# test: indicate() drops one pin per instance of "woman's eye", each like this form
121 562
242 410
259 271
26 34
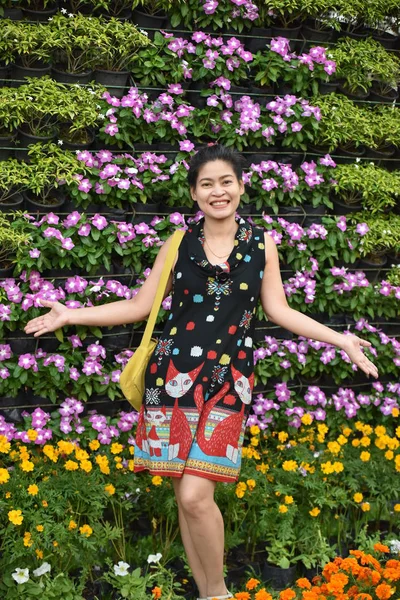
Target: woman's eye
228 181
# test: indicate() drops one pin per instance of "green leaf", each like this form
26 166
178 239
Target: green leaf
59 335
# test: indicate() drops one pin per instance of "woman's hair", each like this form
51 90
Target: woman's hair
215 152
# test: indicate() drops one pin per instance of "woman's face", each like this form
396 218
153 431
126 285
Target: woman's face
217 191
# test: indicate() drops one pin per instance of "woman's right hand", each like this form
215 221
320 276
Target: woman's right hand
51 321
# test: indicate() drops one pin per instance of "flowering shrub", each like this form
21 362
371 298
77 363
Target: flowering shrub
215 13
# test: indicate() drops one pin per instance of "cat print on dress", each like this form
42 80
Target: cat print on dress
178 384
155 417
225 436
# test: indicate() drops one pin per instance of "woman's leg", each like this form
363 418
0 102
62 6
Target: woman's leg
203 532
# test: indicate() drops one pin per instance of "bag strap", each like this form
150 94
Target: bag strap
175 241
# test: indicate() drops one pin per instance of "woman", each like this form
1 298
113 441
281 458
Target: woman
199 380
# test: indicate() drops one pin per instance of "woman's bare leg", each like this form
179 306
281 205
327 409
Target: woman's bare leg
203 532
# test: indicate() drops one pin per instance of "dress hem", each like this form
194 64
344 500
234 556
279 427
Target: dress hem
178 475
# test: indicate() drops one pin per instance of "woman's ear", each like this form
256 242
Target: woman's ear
193 193
241 186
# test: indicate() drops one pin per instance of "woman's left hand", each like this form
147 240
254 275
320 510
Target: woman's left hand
352 347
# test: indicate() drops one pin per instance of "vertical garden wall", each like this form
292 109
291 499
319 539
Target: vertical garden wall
102 104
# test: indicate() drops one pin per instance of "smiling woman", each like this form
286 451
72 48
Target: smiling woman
199 380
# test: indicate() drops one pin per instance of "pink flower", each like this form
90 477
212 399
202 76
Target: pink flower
34 253
210 7
362 228
186 146
175 88
111 129
84 230
99 222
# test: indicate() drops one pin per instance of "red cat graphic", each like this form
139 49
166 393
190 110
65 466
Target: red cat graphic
225 436
155 417
141 435
177 384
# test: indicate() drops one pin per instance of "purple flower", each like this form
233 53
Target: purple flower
175 88
177 218
186 146
362 228
72 219
99 221
34 253
84 230
296 126
5 352
26 361
111 129
85 185
341 224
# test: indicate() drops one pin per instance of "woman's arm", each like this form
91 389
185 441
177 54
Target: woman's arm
114 313
276 308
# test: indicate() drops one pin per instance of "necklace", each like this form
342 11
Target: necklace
223 256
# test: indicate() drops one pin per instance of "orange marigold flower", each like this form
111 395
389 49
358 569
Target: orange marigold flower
310 595
392 571
303 583
252 583
381 548
337 582
287 594
263 595
242 596
363 597
384 591
156 591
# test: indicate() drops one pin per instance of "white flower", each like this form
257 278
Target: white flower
60 142
154 558
394 546
20 575
45 568
64 11
121 568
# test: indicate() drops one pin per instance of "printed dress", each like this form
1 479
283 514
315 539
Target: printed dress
199 380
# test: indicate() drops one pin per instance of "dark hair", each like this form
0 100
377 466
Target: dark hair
215 152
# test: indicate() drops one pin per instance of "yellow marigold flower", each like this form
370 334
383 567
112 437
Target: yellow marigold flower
397 462
365 456
254 430
358 497
28 539
131 464
110 489
347 431
86 530
117 459
342 440
365 506
338 466
156 480
256 455
389 454
380 443
359 426
251 484
327 467
282 436
314 512
322 428
50 452
245 452
380 430
263 468
116 448
66 447
85 465
241 488
254 441
4 475
365 441
102 461
398 431
94 445
396 508
15 516
334 447
55 544
27 466
33 489
393 444
32 434
45 503
289 500
132 450
289 465
72 525
39 528
395 412
5 445
367 430
306 419
71 465
355 443
81 454
283 508
8 495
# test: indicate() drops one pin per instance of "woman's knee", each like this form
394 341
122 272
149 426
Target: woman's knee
195 498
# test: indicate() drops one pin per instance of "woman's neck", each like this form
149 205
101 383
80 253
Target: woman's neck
220 229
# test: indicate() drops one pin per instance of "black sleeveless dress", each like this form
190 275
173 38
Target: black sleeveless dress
200 378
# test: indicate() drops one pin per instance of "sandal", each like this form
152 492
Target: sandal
225 597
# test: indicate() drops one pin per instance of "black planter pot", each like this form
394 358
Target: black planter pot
319 150
115 81
33 204
69 145
146 212
25 139
358 94
9 407
6 270
314 34
146 21
4 75
20 73
314 214
118 340
193 94
21 343
381 153
341 208
328 87
65 77
372 266
13 202
48 344
40 15
6 146
291 33
358 33
260 37
279 578
293 214
388 40
347 156
377 95
13 14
